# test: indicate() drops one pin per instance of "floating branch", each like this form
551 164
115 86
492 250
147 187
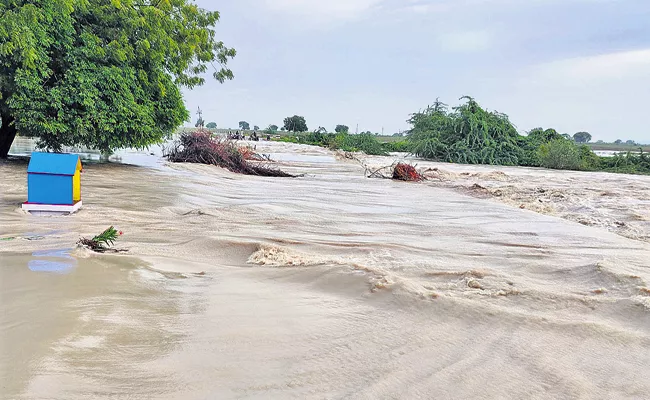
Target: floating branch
102 242
201 147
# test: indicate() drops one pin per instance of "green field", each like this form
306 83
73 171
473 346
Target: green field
617 147
390 139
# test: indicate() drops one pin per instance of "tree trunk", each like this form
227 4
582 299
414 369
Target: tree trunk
7 134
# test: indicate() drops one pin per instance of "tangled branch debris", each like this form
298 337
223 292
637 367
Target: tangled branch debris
397 171
102 242
406 172
201 147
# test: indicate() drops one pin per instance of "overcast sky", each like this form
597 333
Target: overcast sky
571 65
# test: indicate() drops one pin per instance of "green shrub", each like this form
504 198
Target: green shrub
312 138
366 143
468 135
363 142
530 145
559 154
397 147
589 161
628 163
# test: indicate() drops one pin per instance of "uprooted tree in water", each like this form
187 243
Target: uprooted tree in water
202 147
102 74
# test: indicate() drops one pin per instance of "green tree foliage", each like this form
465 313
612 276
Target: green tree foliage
626 163
531 143
211 125
630 142
618 141
401 146
589 161
295 124
559 154
466 134
321 130
364 142
199 123
273 128
244 125
256 128
541 135
582 137
342 129
103 74
469 134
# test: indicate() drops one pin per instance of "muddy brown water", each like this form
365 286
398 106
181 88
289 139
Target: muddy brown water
326 286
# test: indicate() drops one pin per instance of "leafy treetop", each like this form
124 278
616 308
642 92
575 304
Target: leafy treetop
468 134
342 129
582 137
104 74
295 124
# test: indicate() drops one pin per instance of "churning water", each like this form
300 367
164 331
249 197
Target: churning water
330 285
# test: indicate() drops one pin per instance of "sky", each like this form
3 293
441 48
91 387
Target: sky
571 65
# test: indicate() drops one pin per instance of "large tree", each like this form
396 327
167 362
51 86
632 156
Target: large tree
582 137
103 74
295 124
342 129
244 125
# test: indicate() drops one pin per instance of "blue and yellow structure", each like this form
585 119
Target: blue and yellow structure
54 179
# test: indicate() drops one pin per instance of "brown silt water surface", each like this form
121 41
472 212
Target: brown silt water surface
328 286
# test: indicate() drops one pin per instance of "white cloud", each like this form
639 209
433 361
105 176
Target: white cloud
595 69
467 41
323 8
604 95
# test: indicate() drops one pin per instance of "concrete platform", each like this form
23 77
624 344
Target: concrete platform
51 209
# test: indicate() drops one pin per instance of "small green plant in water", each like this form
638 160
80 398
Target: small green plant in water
108 237
103 241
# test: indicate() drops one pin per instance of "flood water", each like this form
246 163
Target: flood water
328 286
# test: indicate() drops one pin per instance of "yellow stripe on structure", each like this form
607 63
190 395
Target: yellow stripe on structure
76 184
